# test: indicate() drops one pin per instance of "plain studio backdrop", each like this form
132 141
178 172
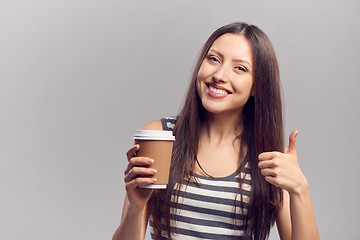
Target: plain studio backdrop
78 77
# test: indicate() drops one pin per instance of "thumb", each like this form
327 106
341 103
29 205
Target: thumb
292 141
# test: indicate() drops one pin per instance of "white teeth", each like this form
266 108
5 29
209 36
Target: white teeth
218 91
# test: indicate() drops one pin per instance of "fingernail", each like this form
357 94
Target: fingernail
151 161
153 179
154 171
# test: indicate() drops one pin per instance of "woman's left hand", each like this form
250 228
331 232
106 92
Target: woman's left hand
282 169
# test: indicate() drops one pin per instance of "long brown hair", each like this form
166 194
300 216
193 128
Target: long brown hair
262 132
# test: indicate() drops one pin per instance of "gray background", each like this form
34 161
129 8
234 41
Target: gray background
78 77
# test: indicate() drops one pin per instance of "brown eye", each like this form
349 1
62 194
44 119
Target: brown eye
213 59
241 68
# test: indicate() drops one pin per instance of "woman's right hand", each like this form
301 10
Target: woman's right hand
138 173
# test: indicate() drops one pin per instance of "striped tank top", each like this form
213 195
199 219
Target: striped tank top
210 208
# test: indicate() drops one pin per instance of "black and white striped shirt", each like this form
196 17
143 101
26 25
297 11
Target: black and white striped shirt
211 208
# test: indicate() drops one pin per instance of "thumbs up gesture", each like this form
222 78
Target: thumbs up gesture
282 169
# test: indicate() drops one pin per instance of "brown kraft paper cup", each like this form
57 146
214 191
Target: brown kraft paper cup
158 145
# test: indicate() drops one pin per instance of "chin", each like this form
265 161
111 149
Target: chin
212 109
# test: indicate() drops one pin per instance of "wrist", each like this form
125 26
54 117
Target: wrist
301 190
135 209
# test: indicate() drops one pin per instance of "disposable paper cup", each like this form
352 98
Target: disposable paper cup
158 145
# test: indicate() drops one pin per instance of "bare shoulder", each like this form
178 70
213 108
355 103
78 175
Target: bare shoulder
153 125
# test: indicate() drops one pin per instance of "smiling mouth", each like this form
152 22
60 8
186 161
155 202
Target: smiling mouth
217 90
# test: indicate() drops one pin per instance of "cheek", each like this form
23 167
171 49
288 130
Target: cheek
198 86
246 87
200 74
200 78
251 87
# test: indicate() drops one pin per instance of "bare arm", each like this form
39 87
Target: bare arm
134 216
133 223
296 219
283 220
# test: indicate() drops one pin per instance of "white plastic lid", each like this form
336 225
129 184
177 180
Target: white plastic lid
154 186
154 135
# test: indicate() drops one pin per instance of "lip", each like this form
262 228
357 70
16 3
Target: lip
218 87
216 95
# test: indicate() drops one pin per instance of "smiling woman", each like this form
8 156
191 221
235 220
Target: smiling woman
225 78
230 176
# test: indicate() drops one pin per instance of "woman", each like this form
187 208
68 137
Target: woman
231 176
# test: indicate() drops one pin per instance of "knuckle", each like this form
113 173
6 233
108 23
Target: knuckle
132 160
277 182
137 181
127 186
276 162
128 152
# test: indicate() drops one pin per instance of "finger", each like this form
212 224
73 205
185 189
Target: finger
139 172
138 161
268 155
267 172
139 182
266 164
132 151
292 141
272 180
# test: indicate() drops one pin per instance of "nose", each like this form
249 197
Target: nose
221 74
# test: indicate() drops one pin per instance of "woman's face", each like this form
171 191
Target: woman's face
225 77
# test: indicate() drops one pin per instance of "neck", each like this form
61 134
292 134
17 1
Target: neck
222 127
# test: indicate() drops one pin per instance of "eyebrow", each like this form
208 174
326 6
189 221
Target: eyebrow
234 60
